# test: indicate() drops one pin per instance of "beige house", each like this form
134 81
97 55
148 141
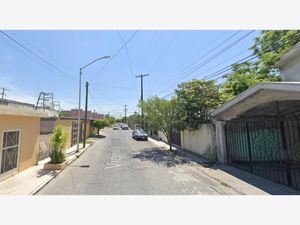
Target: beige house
70 126
259 130
19 138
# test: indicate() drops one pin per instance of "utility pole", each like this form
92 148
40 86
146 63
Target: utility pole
3 92
85 112
125 113
142 97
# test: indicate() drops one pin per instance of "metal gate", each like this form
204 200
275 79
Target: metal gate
267 147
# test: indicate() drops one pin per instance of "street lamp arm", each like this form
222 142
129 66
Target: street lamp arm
104 57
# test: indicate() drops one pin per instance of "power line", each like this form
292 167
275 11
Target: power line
252 56
152 49
176 75
208 60
158 61
127 53
37 56
142 61
117 52
41 51
263 50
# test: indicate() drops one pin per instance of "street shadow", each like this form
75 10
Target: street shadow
80 166
166 158
98 136
43 172
268 186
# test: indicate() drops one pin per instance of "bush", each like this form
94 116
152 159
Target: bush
58 143
57 157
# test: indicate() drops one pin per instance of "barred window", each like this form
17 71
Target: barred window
9 151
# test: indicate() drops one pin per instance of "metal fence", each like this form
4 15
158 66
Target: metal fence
267 147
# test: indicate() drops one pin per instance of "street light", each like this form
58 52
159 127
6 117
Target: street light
80 74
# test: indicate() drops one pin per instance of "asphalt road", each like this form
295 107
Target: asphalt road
119 165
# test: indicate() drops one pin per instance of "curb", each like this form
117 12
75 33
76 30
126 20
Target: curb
36 190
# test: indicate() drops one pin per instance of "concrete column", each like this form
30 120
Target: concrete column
221 141
182 139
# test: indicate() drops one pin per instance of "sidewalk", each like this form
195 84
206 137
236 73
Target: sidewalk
31 180
226 177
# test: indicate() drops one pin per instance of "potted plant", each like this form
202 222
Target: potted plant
58 142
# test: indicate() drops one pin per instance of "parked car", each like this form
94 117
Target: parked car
124 127
139 134
115 127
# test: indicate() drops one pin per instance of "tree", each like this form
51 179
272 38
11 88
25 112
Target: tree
196 99
63 114
100 124
134 119
110 119
58 142
269 48
162 115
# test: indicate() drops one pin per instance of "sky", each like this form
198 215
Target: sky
168 56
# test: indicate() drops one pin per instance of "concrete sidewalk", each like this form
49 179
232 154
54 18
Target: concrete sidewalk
229 177
31 180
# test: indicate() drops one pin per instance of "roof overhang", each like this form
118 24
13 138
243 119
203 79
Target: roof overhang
289 56
18 111
259 94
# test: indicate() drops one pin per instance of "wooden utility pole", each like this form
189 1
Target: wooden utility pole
125 113
85 112
142 97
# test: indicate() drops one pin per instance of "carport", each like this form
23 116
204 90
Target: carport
259 131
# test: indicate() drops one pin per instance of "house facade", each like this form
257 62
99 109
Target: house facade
19 137
259 130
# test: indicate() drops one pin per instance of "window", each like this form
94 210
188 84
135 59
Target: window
9 151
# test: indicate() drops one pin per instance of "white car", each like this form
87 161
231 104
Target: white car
115 127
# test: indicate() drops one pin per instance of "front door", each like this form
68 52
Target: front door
9 153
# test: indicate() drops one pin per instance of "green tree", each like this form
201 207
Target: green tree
269 47
58 142
196 99
63 114
134 119
100 124
110 119
162 115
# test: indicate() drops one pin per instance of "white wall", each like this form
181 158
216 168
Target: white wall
291 70
161 136
201 141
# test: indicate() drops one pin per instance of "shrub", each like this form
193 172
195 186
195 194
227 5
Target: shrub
58 142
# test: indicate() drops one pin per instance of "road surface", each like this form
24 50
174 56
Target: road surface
119 165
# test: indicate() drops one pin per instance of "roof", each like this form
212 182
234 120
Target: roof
287 57
259 94
11 107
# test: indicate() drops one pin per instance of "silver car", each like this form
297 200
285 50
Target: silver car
139 134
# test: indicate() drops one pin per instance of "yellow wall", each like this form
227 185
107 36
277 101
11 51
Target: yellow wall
29 140
67 127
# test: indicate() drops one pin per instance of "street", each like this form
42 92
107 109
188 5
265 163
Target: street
116 164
